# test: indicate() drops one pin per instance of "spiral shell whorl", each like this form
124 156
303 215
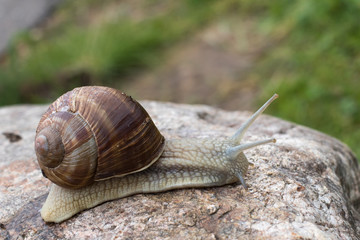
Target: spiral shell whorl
104 133
76 166
49 147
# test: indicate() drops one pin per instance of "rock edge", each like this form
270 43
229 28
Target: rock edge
306 186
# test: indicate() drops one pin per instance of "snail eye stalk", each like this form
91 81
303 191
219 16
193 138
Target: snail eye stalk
236 138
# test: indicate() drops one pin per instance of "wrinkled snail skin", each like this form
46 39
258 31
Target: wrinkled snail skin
184 163
173 170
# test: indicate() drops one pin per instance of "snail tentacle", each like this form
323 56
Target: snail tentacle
241 131
103 145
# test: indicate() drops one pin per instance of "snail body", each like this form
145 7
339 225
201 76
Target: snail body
173 164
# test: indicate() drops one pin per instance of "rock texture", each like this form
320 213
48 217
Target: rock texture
306 186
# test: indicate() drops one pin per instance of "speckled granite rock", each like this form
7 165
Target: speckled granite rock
306 186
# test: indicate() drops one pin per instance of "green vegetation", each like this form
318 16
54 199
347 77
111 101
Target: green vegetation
75 53
313 61
315 65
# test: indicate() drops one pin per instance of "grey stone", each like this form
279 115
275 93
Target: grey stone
305 186
18 15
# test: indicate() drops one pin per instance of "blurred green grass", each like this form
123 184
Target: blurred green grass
313 62
99 51
315 66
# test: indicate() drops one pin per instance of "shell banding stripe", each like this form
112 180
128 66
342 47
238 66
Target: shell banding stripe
105 134
127 138
80 155
144 138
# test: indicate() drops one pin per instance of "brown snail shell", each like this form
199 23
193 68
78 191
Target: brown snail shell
95 133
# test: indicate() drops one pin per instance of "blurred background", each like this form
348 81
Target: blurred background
232 54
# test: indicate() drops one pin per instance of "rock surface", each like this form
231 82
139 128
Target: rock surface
306 186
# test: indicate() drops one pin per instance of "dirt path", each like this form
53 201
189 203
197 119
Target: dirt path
214 67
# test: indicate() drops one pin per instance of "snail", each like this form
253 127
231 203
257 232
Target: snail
97 144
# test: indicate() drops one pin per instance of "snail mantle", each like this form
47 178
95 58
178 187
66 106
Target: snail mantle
304 186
